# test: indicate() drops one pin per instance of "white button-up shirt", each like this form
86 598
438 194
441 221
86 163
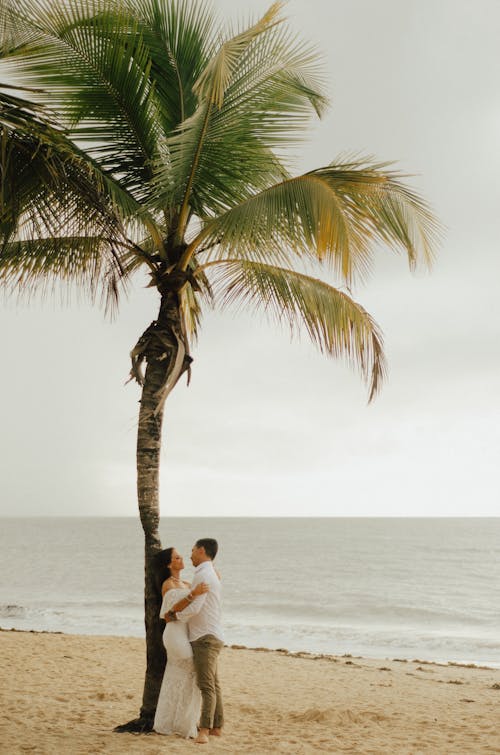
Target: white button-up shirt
203 615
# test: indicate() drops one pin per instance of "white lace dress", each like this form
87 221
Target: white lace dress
179 703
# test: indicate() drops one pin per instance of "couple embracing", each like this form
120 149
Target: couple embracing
193 640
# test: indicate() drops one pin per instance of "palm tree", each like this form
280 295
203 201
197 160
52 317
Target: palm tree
186 134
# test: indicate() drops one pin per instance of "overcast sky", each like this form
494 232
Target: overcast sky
269 426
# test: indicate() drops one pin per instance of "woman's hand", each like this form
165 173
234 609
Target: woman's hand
201 588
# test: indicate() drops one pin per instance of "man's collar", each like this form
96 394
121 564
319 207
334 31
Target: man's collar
200 566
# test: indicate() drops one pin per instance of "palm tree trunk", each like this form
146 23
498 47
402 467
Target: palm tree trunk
148 495
160 349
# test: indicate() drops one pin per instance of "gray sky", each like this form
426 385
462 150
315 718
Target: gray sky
269 426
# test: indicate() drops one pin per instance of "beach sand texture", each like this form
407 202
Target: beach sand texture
63 694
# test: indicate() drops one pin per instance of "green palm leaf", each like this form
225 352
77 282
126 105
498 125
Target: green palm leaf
254 94
43 145
39 169
179 38
90 263
212 84
337 214
61 217
333 321
100 84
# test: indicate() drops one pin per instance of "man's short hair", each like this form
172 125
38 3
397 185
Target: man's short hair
210 545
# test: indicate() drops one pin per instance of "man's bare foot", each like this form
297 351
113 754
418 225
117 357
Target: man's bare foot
216 732
202 738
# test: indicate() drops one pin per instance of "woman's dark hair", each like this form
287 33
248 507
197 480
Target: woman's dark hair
161 565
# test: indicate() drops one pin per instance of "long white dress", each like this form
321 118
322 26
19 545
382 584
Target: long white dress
179 702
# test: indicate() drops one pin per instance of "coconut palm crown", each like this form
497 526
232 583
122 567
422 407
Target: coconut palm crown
170 140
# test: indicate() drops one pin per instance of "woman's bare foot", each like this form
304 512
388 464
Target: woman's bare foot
202 738
216 732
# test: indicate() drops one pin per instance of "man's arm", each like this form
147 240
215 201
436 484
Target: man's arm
198 588
192 609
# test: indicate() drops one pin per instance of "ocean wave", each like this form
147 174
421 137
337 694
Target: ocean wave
366 640
90 618
11 610
366 614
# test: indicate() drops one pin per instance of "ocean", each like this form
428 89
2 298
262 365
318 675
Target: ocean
384 588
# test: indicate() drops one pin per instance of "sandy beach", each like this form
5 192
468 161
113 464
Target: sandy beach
65 693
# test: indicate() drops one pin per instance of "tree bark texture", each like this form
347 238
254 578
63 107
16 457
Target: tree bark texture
160 354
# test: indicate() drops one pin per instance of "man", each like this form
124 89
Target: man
203 617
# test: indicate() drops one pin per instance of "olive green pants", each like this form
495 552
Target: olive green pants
205 656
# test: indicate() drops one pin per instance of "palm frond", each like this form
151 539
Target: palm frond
94 66
212 84
332 319
42 143
254 94
90 264
238 168
56 205
179 36
383 207
44 184
337 214
13 31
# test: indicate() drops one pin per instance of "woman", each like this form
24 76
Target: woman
179 701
